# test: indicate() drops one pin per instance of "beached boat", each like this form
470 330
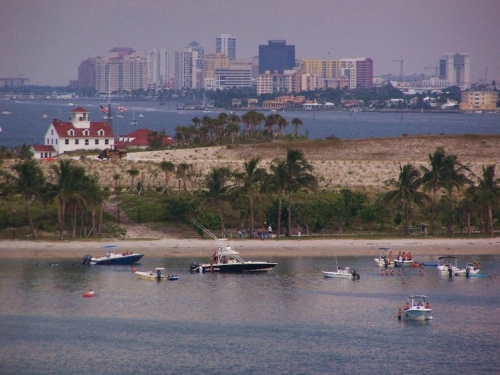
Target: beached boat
157 274
417 308
225 259
112 258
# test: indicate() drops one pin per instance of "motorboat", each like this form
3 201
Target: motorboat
112 258
157 274
88 294
469 270
448 263
342 273
385 257
417 308
225 259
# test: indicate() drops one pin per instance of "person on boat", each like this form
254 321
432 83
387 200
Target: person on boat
399 256
407 306
390 257
404 256
427 305
409 255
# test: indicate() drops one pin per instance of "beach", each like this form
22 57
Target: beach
249 248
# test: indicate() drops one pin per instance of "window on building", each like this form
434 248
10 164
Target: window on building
106 141
77 141
96 141
86 142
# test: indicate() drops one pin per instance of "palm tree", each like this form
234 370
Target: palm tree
488 192
278 181
253 179
453 178
30 184
432 179
116 178
299 175
133 173
406 191
182 173
296 122
167 167
217 183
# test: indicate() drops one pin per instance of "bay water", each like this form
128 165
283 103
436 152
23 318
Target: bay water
290 320
30 119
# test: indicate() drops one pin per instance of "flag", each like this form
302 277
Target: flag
122 109
104 109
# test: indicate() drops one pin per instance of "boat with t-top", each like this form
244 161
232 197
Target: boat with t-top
417 308
225 259
112 258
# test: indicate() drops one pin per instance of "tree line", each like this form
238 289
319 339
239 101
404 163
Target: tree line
284 193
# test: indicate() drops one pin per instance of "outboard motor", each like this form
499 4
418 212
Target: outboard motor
467 271
86 259
450 272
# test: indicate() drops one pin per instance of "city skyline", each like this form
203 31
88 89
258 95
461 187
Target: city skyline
47 41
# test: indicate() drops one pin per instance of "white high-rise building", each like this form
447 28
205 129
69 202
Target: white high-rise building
159 68
226 44
187 73
455 68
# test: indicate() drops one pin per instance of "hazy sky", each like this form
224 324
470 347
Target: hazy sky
46 40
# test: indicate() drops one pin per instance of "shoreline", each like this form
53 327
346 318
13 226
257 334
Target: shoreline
249 249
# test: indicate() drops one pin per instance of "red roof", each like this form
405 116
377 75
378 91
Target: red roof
43 148
79 110
139 138
63 129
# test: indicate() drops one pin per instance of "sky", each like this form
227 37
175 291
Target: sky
46 40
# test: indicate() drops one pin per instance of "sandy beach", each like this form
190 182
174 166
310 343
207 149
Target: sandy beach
202 248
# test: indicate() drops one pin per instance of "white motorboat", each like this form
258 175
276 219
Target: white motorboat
225 259
385 257
158 274
342 273
469 270
446 263
417 308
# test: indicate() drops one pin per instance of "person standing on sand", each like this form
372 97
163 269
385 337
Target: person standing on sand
298 235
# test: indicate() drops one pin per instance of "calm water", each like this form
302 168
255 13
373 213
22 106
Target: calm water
30 119
288 321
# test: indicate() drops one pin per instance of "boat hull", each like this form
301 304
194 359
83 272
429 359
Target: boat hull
117 260
333 274
417 314
234 267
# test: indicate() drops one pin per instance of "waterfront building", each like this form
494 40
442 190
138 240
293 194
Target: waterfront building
188 67
123 70
13 82
479 100
226 44
86 74
79 133
274 83
159 68
209 64
276 56
238 76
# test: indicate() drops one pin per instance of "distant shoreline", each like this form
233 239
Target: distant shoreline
250 249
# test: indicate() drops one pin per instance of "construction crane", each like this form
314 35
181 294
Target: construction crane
400 68
435 69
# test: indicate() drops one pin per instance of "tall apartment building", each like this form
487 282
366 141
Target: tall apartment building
209 64
226 44
276 56
186 70
455 68
86 74
357 72
122 70
159 68
275 83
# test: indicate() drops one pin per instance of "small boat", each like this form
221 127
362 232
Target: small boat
225 259
133 123
384 260
88 294
141 115
5 112
172 277
112 258
417 308
157 274
469 270
342 273
446 263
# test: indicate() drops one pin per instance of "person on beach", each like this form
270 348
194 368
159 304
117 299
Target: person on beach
298 235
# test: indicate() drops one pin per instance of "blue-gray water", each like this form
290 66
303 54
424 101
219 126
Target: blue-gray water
291 320
30 119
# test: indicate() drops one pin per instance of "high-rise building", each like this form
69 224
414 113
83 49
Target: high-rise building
276 56
186 71
226 44
123 70
86 74
159 68
455 68
210 63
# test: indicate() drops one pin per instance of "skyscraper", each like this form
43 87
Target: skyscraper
159 68
276 56
455 68
226 44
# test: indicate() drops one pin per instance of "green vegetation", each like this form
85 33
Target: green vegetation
67 202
